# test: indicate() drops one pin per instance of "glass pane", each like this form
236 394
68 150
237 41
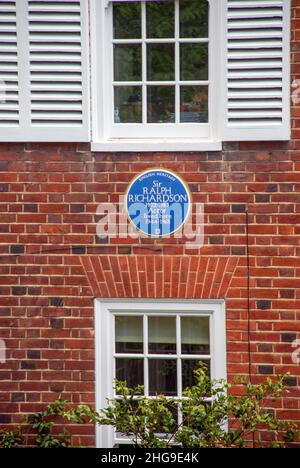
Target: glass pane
193 62
194 18
129 334
162 335
161 104
162 377
128 62
130 370
188 368
160 62
160 19
128 104
194 104
195 335
124 15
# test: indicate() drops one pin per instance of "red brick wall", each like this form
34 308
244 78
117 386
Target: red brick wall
52 266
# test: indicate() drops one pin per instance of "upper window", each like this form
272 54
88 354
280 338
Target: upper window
158 64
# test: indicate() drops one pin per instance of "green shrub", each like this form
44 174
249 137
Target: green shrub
210 417
11 439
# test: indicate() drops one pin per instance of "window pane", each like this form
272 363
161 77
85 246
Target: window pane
188 368
128 104
128 62
195 335
194 18
131 370
160 62
129 334
162 377
162 335
160 19
161 104
124 15
194 104
194 62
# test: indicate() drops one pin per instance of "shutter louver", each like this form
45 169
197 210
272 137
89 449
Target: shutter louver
257 70
9 96
53 70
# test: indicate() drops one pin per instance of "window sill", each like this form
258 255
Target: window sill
156 145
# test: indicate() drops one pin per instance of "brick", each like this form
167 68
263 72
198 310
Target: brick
264 305
5 418
28 365
290 381
56 301
238 208
17 249
31 208
288 337
19 291
4 188
34 354
56 323
17 397
266 370
78 250
3 166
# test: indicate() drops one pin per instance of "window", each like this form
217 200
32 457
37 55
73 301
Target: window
160 71
158 345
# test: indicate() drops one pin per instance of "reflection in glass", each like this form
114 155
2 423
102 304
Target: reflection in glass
129 334
130 370
161 104
160 19
194 18
162 335
124 15
188 368
195 335
160 62
128 104
162 377
127 62
193 62
194 104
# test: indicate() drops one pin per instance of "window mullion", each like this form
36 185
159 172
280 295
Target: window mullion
178 352
179 363
177 64
146 360
144 64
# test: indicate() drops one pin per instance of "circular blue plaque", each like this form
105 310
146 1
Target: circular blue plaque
158 203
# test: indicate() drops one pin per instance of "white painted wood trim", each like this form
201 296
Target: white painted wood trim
260 130
106 136
156 145
104 341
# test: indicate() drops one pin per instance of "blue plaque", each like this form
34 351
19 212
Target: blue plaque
158 203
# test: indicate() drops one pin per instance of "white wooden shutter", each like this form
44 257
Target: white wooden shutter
9 96
257 70
44 48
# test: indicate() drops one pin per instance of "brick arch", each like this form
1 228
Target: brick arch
158 276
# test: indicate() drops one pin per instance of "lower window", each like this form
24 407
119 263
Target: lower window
158 345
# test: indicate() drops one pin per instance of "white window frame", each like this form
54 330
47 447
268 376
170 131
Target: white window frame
104 343
108 136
